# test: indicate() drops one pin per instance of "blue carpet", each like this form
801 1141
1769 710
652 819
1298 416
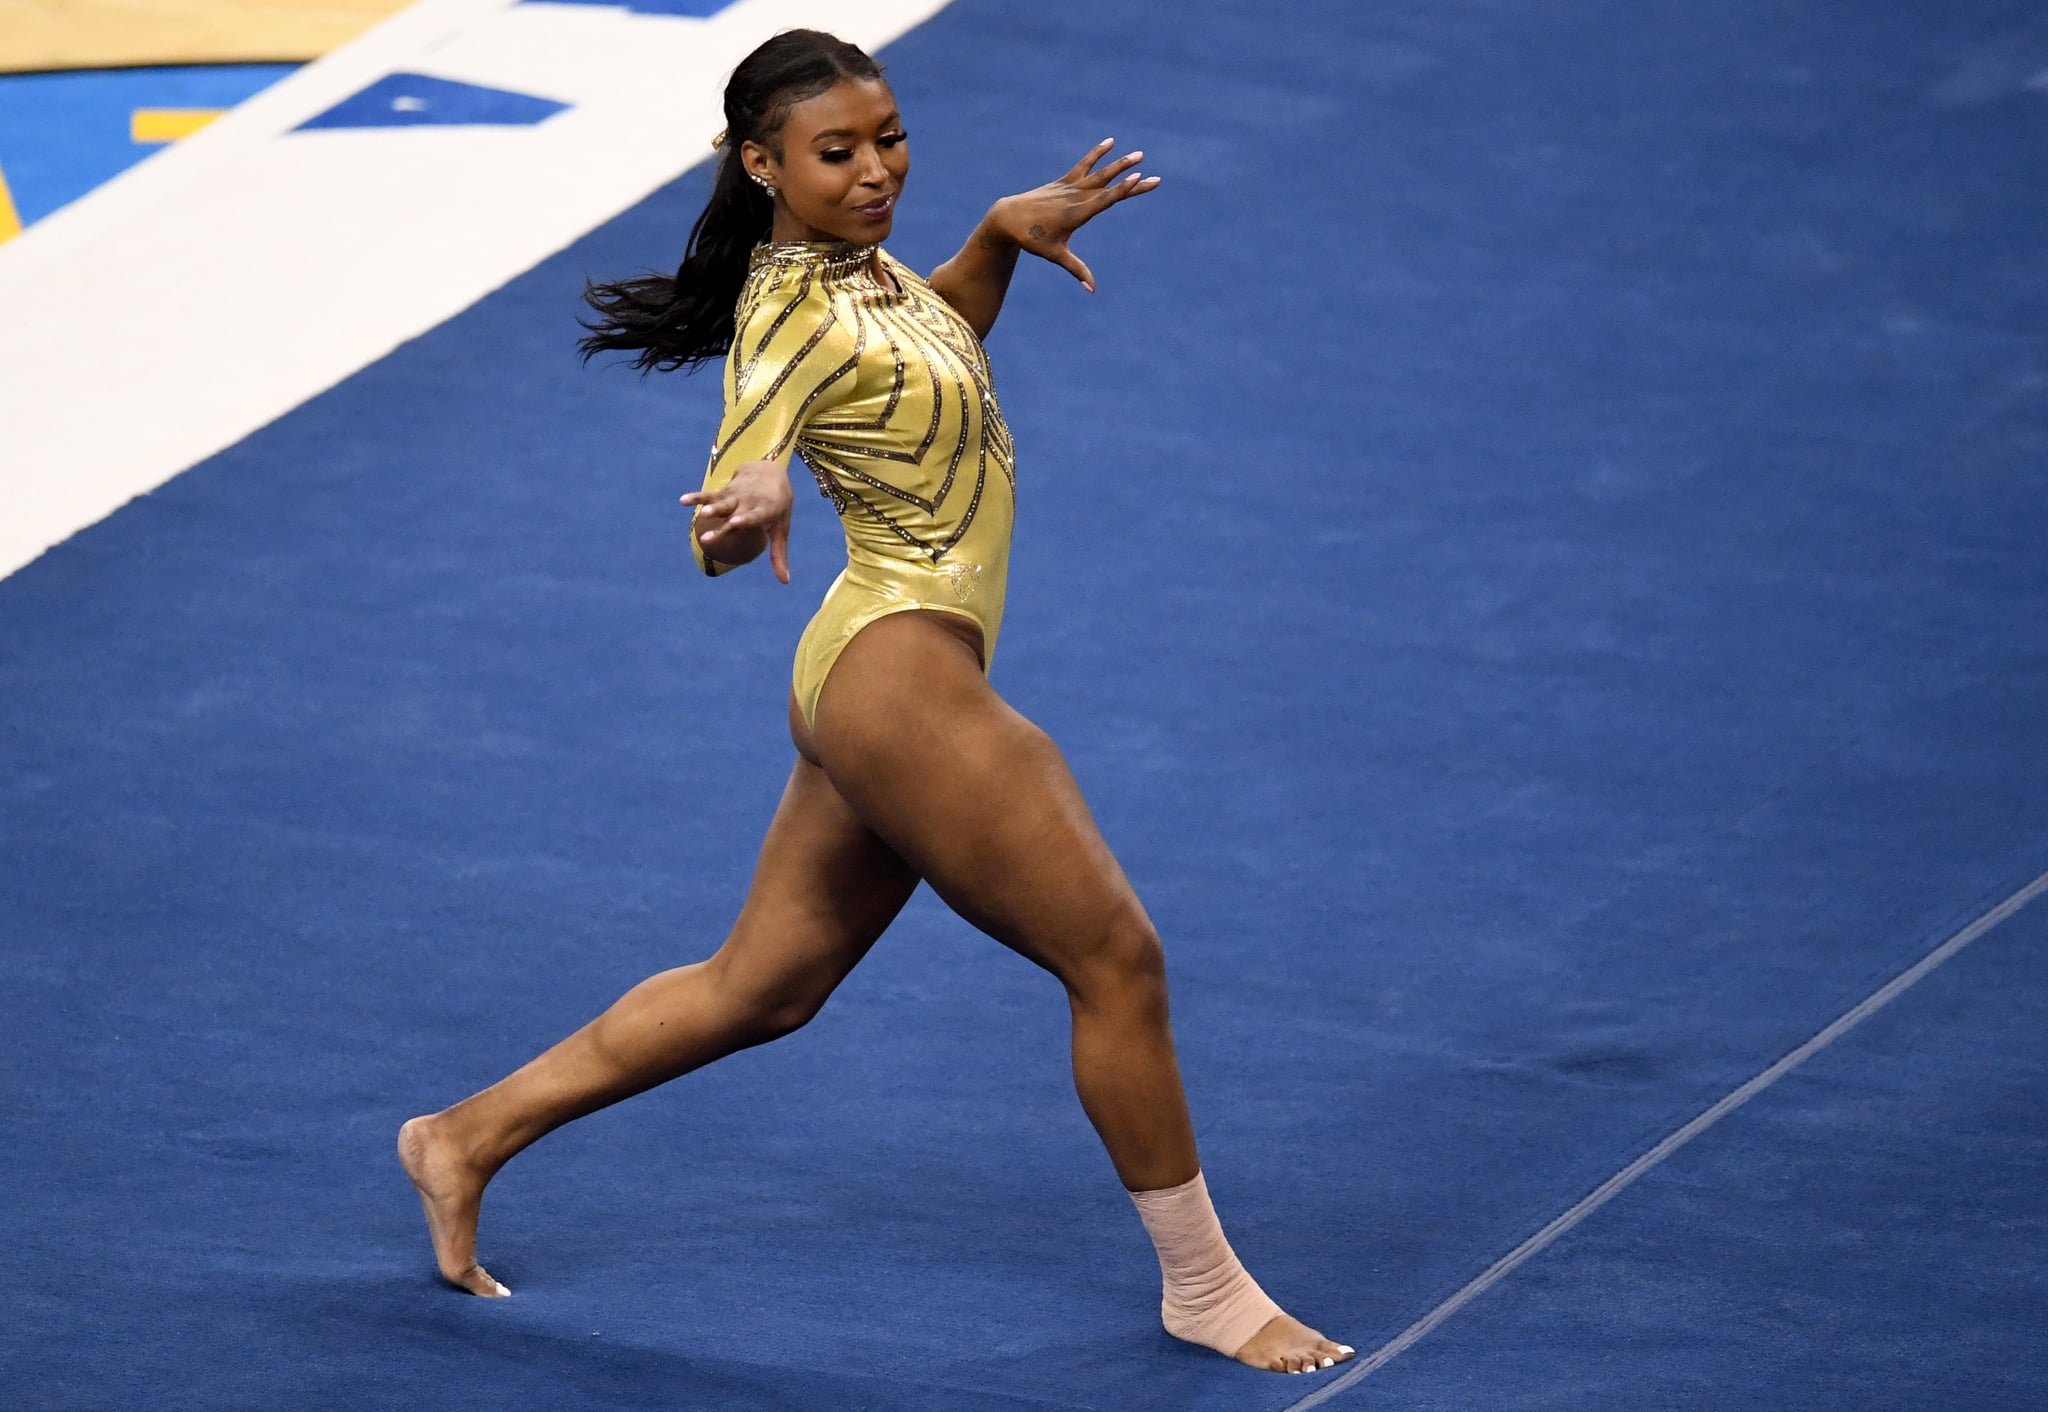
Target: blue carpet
62 134
1533 553
1866 1235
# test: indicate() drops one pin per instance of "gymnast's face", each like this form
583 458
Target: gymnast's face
844 158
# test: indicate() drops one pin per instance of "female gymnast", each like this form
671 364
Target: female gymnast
909 766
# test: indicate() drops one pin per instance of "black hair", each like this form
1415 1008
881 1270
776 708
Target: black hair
685 319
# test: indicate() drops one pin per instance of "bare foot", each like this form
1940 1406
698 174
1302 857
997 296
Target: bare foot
451 1193
1286 1345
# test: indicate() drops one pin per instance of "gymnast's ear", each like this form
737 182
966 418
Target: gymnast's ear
758 162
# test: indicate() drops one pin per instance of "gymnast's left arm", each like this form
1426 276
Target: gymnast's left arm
1040 221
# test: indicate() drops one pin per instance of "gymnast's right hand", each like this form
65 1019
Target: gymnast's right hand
747 514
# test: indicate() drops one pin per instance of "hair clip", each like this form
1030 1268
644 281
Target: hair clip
718 141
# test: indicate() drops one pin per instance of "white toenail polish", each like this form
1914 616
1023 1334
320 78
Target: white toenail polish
500 1288
1346 1348
1327 1362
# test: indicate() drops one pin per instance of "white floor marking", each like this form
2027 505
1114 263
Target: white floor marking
1615 1184
220 283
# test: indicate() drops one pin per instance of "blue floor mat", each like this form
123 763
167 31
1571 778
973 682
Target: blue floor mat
62 134
1864 1235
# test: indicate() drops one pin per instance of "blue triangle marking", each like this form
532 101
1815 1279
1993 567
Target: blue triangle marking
416 100
700 8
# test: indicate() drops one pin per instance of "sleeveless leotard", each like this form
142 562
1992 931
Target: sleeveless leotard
887 398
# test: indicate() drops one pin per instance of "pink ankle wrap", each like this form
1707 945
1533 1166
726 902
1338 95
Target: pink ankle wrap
1208 1297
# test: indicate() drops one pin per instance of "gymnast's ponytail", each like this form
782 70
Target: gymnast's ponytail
679 321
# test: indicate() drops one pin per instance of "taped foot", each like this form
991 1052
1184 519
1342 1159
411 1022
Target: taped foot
1207 1296
1286 1345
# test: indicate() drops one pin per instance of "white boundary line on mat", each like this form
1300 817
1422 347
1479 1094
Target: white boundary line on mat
1614 1185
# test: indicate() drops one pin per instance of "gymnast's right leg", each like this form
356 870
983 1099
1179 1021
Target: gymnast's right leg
823 891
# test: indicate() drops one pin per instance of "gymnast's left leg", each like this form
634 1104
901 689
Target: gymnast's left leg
979 802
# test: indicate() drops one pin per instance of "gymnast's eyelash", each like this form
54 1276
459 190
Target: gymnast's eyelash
840 154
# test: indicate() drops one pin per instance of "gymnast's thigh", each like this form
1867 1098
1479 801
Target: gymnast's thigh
825 887
974 797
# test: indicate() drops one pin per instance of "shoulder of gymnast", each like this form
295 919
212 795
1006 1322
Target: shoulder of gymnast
784 318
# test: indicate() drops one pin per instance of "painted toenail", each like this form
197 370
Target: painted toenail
1346 1348
499 1288
1328 1362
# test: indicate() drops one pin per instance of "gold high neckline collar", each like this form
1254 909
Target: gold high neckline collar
829 258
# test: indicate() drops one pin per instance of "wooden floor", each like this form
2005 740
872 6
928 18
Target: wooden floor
101 34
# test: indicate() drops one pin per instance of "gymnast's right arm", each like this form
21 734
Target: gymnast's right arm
790 359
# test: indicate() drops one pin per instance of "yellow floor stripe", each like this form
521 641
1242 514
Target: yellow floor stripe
168 124
10 219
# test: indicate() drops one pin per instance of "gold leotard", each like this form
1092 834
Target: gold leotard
886 396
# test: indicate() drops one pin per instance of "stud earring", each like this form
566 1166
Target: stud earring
764 184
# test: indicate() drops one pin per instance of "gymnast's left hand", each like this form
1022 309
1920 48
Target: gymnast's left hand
1042 221
747 514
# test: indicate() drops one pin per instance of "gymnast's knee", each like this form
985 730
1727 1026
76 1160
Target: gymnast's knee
775 1014
757 1013
1123 967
